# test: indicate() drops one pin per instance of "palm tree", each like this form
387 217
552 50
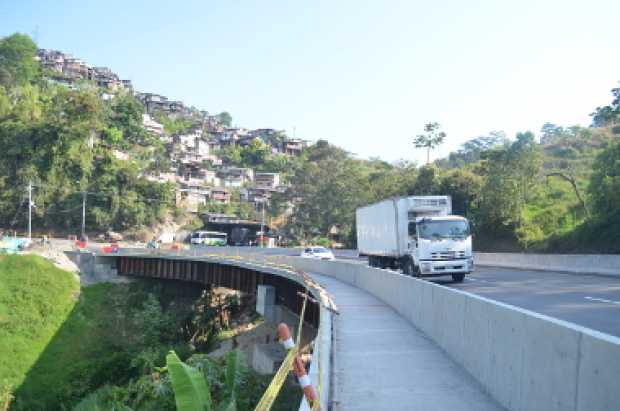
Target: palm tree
430 140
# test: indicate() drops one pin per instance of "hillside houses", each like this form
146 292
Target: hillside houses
151 125
196 170
267 180
158 103
236 177
71 69
201 178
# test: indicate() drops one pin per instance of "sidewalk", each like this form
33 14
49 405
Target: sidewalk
382 362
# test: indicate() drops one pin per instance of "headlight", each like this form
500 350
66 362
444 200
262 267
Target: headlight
425 267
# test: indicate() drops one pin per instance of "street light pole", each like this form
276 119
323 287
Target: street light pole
262 226
83 213
30 210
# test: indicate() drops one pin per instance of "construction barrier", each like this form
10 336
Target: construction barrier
299 368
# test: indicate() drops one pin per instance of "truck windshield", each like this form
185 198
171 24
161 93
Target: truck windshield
431 230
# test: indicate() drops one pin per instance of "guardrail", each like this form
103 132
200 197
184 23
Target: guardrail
322 349
525 360
607 264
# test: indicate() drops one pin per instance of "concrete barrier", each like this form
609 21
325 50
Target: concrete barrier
607 264
571 263
525 360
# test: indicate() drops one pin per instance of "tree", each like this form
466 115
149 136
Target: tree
512 174
471 150
427 182
605 183
225 118
390 180
464 188
550 132
17 60
608 115
325 191
126 116
255 154
430 140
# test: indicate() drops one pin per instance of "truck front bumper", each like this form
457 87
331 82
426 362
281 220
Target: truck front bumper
446 267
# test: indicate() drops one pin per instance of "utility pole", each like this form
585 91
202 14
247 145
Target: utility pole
262 226
30 210
83 213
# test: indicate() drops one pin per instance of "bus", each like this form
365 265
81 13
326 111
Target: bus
212 238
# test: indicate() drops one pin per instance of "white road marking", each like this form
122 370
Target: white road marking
602 300
477 279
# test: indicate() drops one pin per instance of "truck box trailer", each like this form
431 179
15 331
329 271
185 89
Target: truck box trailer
417 234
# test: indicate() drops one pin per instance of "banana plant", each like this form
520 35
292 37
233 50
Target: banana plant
234 375
191 391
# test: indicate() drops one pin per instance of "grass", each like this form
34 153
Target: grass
35 300
96 345
58 344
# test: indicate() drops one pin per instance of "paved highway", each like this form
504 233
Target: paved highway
591 301
588 300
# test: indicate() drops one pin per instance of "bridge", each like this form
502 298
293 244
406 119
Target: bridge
402 343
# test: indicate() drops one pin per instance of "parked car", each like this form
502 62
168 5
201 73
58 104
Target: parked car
320 253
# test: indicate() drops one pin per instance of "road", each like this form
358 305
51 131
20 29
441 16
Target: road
591 301
588 300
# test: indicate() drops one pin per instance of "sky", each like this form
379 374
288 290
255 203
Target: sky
365 75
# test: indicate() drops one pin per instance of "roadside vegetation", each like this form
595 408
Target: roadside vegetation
36 299
65 141
108 343
551 191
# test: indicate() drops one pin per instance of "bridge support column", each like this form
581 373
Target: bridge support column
266 302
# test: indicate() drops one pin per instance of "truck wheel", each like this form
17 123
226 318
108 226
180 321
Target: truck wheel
458 278
408 268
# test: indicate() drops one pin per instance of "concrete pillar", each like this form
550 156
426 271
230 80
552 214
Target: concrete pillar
266 302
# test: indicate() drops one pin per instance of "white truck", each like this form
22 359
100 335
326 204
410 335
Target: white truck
417 234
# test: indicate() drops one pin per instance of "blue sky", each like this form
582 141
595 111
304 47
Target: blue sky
364 75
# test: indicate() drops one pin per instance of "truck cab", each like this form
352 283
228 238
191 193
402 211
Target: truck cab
440 245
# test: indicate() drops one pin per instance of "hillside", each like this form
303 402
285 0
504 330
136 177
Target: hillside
140 159
36 299
60 345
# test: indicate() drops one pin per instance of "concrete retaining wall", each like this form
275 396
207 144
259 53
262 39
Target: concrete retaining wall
525 360
571 263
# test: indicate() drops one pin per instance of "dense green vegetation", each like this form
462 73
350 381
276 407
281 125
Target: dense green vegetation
36 299
114 333
555 191
201 383
60 346
63 141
